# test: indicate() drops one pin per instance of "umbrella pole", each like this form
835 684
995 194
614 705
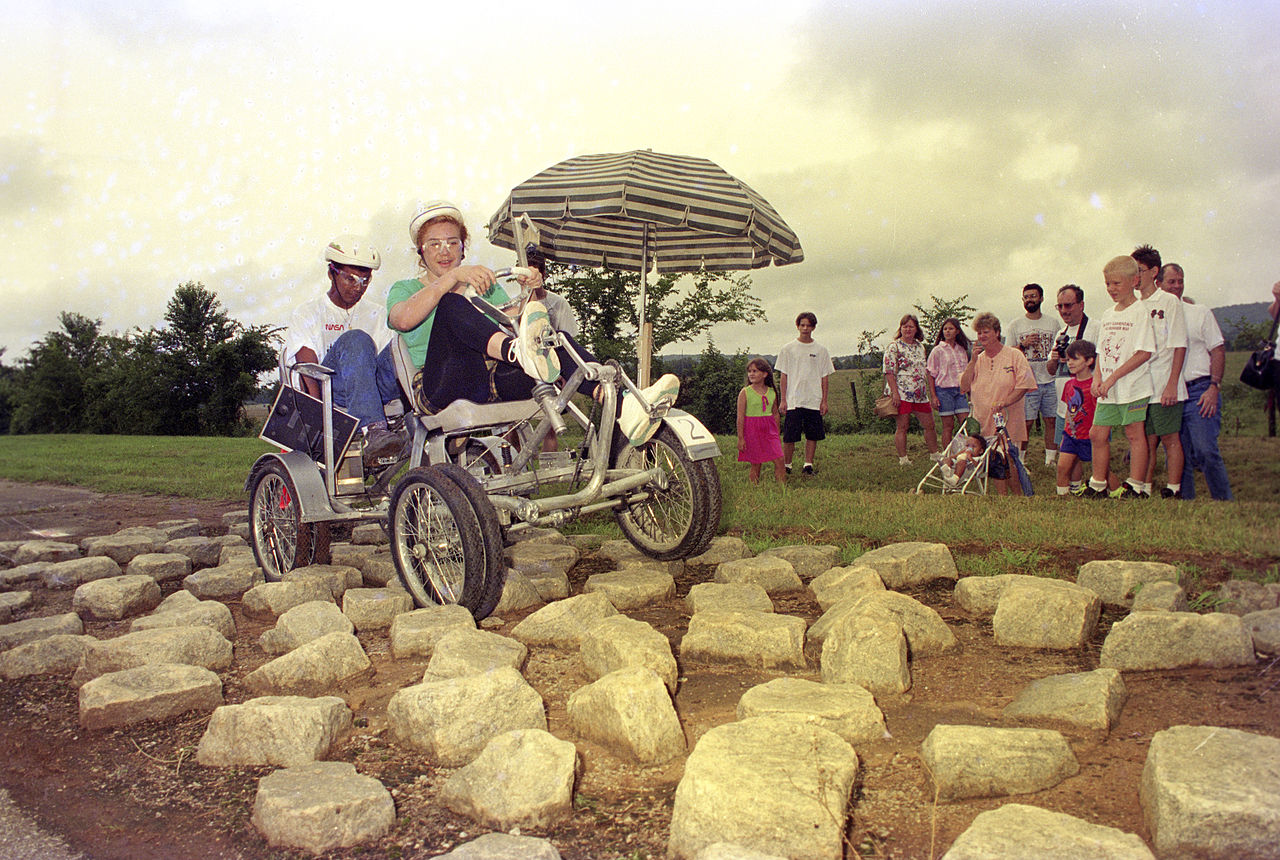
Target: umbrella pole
645 350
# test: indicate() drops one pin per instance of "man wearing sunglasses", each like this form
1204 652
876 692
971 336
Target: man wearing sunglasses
338 330
1071 309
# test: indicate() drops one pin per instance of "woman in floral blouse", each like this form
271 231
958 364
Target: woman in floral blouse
907 381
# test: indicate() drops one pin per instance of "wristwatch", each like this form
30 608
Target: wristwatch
1217 382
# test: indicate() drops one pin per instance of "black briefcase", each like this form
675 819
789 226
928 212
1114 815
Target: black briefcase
1262 369
296 422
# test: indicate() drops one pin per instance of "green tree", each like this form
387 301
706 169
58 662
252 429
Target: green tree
681 307
209 364
868 350
1249 334
710 389
52 387
931 319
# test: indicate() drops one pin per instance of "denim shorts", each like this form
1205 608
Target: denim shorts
1043 401
1081 448
951 401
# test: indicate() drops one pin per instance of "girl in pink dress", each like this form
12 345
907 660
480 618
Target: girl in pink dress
758 438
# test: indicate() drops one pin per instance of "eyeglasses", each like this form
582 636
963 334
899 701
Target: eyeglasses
1062 306
351 277
435 246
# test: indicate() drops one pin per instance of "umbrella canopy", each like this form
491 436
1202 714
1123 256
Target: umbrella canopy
604 210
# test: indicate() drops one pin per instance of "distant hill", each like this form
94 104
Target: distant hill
1230 316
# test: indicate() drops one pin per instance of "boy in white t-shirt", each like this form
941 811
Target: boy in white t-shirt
1125 343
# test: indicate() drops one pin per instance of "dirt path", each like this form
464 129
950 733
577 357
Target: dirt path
136 792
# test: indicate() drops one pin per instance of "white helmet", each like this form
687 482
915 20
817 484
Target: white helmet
434 209
353 251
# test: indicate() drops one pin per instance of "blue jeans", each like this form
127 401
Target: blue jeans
1023 478
1200 445
364 379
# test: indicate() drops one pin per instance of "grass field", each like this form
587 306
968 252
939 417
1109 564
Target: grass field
860 497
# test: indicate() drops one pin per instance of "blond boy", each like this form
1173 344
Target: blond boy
1125 343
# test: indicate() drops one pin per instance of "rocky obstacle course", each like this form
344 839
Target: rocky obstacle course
773 778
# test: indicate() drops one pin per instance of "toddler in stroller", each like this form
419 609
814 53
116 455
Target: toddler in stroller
954 467
962 468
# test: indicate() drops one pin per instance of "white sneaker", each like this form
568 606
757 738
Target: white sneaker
904 461
936 456
1049 456
636 424
532 348
947 471
951 480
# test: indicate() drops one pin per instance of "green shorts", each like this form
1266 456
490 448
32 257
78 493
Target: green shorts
1120 414
1163 420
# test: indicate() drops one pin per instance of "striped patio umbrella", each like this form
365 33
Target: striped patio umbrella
633 211
683 213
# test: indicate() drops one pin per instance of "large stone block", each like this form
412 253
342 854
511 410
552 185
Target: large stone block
629 712
722 549
54 655
116 598
337 577
767 784
1018 830
463 651
1046 614
762 639
619 641
807 560
774 575
205 613
225 582
1115 581
201 551
1172 640
160 566
844 583
1212 793
283 731
375 608
1089 701
523 778
77 571
902 565
321 806
414 634
727 595
846 709
927 634
44 550
453 720
124 546
312 669
18 633
302 624
565 622
1264 627
632 587
273 599
978 761
192 646
152 692
867 651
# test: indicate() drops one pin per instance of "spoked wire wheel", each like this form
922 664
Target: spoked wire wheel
281 540
436 541
679 521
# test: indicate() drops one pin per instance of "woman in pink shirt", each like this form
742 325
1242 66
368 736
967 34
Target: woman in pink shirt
947 360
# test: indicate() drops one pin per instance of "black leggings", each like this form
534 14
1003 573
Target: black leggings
458 368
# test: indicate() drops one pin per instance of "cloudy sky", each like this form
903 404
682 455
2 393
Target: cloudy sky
918 148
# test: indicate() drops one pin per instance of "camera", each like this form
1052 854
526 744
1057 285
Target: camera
1061 344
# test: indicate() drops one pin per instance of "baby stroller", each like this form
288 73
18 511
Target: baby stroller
975 477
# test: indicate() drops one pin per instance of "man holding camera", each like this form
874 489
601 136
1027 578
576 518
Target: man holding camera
1071 309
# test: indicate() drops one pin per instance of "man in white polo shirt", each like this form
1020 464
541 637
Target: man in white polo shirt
1206 358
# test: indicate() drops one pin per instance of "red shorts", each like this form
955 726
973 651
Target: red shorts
905 408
